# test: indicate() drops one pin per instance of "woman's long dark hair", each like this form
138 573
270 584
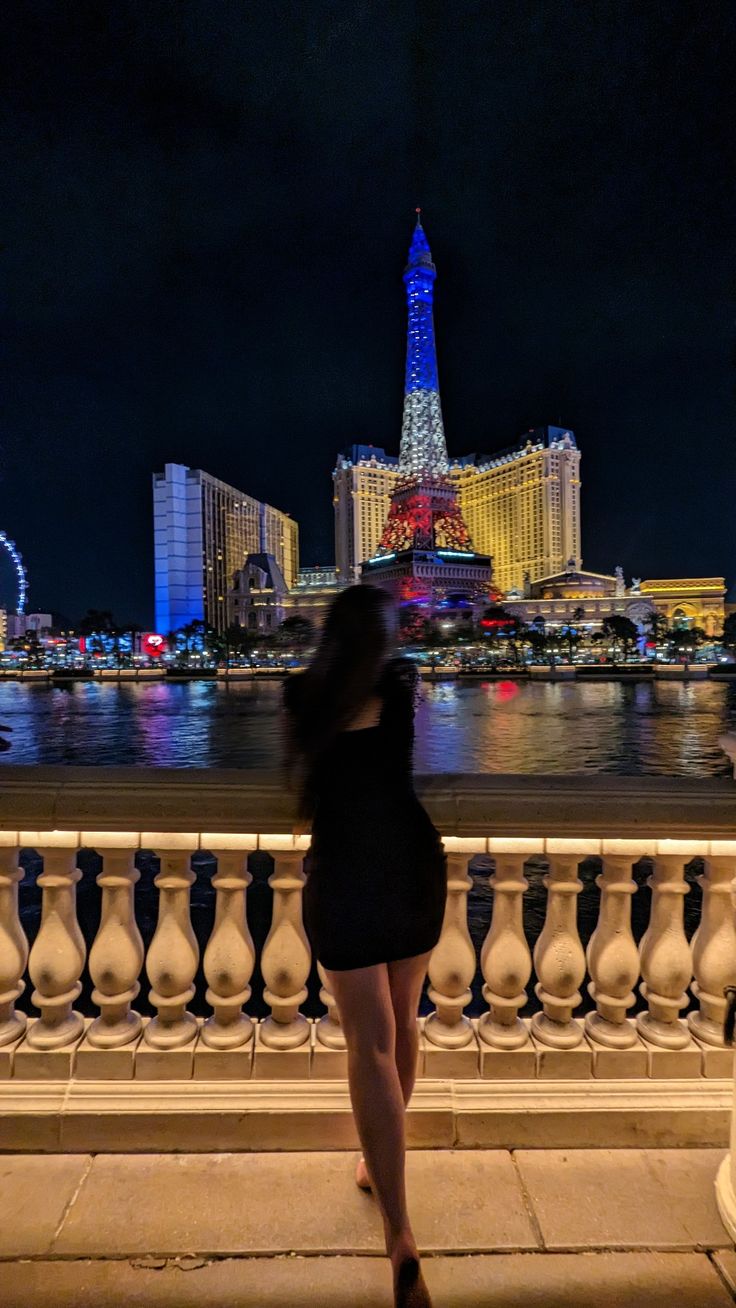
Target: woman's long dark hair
346 670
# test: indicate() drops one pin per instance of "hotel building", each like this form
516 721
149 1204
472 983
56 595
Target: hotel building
689 601
203 531
260 599
586 599
363 480
521 506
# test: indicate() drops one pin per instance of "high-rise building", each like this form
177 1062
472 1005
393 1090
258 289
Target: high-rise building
364 478
203 531
522 506
425 556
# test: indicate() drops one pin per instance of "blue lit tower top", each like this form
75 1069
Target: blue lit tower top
424 513
423 452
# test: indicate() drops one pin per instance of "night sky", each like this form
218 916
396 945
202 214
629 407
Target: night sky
207 208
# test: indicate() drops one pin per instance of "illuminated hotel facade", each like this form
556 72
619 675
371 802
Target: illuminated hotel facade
585 599
363 480
689 601
521 506
203 531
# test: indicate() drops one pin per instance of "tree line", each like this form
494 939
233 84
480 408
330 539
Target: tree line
502 632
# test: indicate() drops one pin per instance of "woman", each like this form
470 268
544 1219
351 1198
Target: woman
376 885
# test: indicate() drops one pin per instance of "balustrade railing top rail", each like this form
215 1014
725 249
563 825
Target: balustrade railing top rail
460 804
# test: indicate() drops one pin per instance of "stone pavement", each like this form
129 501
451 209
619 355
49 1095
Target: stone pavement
529 1229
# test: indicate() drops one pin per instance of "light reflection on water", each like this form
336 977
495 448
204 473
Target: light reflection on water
620 727
461 726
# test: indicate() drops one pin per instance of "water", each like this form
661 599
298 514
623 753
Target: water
626 728
629 728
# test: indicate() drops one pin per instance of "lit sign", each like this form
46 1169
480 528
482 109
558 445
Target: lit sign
152 644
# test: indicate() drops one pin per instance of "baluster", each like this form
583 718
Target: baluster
286 956
452 963
173 953
329 1030
116 956
612 956
666 958
726 1177
714 948
229 958
505 960
558 954
58 952
13 944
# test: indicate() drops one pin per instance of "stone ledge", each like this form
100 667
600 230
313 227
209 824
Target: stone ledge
201 1116
608 1280
257 1061
466 805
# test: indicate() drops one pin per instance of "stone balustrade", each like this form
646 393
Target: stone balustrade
562 820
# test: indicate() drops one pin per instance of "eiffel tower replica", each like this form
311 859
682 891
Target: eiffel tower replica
425 556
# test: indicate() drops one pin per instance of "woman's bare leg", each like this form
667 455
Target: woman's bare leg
406 978
363 998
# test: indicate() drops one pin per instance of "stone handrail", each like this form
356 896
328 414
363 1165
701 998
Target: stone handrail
232 800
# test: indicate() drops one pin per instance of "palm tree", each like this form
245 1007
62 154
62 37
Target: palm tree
570 634
655 624
621 631
729 631
498 625
34 647
172 644
96 621
686 640
536 638
115 635
188 631
296 630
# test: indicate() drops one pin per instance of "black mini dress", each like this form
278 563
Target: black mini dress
376 869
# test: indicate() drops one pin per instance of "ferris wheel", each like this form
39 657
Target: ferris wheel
20 572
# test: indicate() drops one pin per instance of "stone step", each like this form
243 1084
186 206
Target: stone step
460 1201
81 1116
602 1280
